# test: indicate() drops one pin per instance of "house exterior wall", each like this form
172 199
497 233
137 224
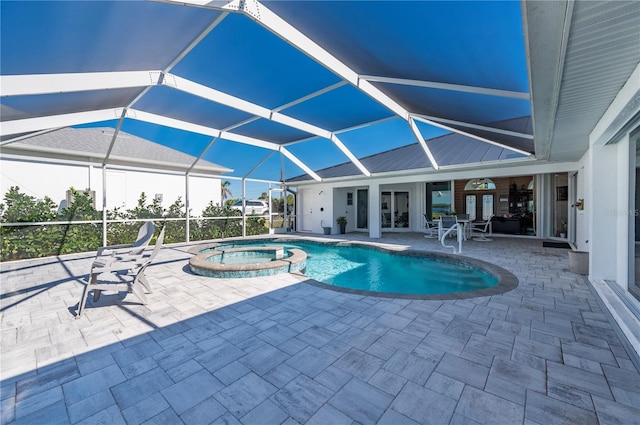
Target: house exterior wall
315 209
40 178
610 163
414 183
503 185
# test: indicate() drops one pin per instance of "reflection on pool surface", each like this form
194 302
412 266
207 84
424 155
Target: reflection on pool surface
366 269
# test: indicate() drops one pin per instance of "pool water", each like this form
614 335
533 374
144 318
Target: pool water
244 258
370 270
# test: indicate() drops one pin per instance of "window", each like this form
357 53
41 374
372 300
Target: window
438 199
480 184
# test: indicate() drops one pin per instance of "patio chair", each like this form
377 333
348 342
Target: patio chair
482 228
446 223
126 275
430 230
125 252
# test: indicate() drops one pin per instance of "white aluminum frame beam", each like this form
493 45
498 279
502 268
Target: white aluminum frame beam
473 136
299 163
27 125
345 130
195 128
476 126
297 39
336 141
423 143
33 84
446 86
217 96
255 167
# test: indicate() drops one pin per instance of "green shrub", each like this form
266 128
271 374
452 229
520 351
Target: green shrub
20 242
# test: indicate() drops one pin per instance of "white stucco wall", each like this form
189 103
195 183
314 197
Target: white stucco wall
604 217
609 159
42 178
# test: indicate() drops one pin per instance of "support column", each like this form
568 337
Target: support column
186 206
374 211
604 215
104 205
244 209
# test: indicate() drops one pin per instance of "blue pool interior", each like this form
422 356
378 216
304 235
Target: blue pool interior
370 270
243 258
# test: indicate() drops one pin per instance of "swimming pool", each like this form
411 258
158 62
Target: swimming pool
367 269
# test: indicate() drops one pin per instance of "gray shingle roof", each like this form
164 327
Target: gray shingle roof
450 149
130 150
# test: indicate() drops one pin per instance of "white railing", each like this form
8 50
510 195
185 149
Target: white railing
455 228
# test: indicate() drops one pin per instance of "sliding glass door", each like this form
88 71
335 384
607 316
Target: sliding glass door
394 207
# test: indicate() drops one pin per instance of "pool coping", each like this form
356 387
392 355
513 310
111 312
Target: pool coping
507 281
200 265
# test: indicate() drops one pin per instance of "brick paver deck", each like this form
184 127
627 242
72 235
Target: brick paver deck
279 350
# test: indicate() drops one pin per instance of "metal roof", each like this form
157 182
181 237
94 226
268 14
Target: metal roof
451 149
93 144
280 76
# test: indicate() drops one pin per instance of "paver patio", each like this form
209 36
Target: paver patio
280 350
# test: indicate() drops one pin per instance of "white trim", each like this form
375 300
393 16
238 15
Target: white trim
620 113
628 323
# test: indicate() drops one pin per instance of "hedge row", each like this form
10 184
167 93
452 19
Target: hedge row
20 242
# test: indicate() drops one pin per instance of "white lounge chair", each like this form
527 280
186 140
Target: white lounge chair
127 275
125 252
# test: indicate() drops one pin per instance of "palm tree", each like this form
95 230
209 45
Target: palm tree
225 192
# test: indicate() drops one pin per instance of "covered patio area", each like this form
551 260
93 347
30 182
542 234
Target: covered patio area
281 350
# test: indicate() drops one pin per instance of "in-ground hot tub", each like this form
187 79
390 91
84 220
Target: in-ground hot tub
248 262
